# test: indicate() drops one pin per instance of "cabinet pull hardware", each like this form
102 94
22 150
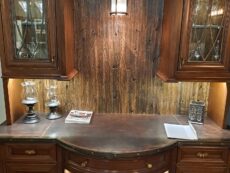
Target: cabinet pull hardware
52 59
149 165
84 164
202 155
30 152
205 155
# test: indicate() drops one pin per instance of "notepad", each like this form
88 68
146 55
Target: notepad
180 131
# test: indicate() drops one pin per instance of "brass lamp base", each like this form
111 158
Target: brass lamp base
53 115
30 117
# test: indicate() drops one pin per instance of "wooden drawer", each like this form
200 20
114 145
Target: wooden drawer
31 168
31 152
200 155
200 169
78 163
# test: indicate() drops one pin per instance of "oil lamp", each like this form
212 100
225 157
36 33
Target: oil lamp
52 102
29 99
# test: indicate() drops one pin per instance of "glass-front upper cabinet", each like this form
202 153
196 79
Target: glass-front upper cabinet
38 38
196 40
30 29
207 32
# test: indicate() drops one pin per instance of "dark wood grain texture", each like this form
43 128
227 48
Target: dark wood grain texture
116 54
116 58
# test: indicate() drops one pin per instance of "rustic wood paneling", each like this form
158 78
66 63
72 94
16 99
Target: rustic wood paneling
116 58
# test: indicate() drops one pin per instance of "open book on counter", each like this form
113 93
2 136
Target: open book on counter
180 131
79 116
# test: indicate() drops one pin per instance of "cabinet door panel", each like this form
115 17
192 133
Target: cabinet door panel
30 168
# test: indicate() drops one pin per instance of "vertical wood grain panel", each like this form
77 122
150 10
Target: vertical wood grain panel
116 57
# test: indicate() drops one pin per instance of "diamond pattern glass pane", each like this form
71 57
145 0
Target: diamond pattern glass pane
30 30
206 35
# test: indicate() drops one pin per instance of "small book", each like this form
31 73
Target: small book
79 116
180 131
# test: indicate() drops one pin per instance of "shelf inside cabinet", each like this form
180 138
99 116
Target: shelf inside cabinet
196 26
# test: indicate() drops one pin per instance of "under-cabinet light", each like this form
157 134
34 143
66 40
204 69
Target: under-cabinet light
118 7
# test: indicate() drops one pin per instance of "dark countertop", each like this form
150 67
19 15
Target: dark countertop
113 135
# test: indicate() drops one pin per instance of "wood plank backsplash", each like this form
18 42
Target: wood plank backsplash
116 57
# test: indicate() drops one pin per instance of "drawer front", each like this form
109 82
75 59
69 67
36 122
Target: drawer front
200 169
31 168
78 163
19 152
212 155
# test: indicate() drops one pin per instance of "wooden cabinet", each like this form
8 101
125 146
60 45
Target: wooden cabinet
202 159
30 157
38 39
158 163
195 41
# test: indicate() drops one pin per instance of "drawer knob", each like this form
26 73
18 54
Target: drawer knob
202 155
149 165
84 164
30 152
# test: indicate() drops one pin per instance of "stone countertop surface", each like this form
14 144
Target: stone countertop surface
113 135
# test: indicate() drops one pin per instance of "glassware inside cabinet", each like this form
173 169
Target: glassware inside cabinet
207 31
30 29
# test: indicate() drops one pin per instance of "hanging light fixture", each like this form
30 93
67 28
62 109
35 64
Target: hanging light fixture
118 7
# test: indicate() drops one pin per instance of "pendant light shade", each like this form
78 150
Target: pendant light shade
118 7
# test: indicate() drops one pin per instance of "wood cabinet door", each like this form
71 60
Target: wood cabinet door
205 40
195 41
29 36
30 168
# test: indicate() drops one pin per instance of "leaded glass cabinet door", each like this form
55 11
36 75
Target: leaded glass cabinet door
204 45
29 30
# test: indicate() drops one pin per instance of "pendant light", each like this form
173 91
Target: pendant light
118 7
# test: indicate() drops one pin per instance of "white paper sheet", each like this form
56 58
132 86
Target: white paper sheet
180 131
